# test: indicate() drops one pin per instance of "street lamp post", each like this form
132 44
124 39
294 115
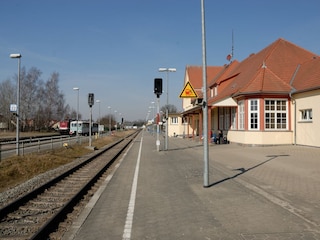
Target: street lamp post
109 120
167 112
148 114
120 121
153 116
98 101
152 106
77 89
115 116
17 55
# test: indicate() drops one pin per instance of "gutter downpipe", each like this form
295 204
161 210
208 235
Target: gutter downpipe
293 90
294 117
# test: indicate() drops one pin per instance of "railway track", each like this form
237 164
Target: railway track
39 212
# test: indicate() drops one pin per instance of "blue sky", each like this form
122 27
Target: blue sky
114 48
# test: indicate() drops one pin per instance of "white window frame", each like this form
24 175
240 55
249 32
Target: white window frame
254 114
241 115
306 115
274 114
226 118
221 118
184 120
174 120
233 118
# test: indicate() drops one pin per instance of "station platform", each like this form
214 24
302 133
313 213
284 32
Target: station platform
254 193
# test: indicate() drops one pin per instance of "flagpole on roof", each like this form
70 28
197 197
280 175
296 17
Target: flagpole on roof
230 56
204 102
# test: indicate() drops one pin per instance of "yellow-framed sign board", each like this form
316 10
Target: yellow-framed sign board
188 91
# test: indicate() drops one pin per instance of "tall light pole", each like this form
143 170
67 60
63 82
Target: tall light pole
109 120
98 101
152 106
77 89
115 116
17 55
153 115
204 104
167 113
120 120
148 114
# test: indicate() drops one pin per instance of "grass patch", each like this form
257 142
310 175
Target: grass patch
18 169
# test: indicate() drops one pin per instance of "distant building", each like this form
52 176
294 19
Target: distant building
3 124
177 125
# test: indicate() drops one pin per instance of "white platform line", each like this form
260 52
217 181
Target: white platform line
75 228
128 225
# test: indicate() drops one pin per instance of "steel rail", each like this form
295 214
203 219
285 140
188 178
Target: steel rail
52 224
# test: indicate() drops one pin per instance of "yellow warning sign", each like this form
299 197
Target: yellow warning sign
188 91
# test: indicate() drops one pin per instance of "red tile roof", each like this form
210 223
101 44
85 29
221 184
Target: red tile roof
195 76
308 76
280 68
269 71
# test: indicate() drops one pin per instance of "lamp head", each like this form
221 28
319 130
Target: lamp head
167 69
15 55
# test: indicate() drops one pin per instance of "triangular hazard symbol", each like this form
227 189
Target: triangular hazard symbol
188 91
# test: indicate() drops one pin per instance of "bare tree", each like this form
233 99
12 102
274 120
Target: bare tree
171 108
71 113
7 96
41 103
108 119
53 103
40 119
29 103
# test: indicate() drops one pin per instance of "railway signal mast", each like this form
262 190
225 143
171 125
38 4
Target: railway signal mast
90 102
158 91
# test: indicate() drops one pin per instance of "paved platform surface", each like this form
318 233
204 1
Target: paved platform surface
254 193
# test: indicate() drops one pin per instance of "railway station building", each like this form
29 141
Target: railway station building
270 98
